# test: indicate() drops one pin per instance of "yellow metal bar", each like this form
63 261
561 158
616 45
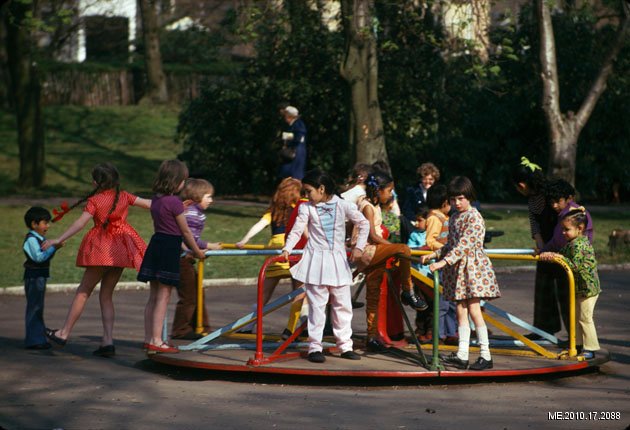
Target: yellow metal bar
562 262
539 349
200 301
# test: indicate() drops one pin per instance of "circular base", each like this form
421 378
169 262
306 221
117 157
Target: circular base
374 365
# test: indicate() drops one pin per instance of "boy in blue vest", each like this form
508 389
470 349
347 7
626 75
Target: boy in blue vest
36 273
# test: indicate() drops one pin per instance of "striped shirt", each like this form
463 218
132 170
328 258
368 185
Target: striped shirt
196 220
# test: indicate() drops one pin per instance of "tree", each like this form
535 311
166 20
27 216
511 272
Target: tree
359 68
26 92
564 129
156 85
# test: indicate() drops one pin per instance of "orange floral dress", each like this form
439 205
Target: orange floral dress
117 245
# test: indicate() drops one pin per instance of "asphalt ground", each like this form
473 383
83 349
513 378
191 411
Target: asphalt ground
72 389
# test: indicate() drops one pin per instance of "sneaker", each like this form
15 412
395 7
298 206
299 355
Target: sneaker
453 360
481 364
587 355
316 357
375 345
350 355
409 298
286 333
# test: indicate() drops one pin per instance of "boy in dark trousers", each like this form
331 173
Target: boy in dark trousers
36 273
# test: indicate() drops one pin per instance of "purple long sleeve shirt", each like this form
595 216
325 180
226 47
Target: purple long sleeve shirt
557 240
196 220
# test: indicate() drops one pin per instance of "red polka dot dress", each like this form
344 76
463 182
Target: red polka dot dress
117 245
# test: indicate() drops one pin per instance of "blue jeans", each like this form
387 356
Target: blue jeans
35 290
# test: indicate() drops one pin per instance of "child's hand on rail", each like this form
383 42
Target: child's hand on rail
285 255
437 266
548 256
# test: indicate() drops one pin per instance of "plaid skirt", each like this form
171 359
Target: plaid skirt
161 260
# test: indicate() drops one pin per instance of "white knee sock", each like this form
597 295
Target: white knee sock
484 342
464 340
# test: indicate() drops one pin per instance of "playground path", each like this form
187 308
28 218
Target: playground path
71 389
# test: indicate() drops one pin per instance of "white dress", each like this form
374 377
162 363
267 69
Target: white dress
325 261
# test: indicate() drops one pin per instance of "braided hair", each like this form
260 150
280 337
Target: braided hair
376 181
106 177
577 216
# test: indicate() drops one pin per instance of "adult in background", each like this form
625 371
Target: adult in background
416 195
293 152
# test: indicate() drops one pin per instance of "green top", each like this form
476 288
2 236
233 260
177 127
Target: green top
580 256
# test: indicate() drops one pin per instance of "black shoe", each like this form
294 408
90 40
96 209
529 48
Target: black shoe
481 364
454 361
50 334
409 298
350 355
357 305
375 345
105 351
286 333
316 357
40 346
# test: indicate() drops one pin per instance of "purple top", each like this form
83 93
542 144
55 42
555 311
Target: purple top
196 220
164 209
557 240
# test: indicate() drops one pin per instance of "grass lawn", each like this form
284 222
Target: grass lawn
136 139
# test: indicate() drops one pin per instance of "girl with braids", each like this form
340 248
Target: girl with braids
277 215
580 255
107 248
379 187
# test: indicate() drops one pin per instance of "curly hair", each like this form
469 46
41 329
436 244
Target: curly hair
426 169
558 189
284 199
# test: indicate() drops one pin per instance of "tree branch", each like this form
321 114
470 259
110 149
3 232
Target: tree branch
599 84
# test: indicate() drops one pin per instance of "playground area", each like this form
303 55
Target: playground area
70 388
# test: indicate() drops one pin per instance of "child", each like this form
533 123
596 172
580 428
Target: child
110 246
324 265
468 275
560 197
580 255
437 237
355 189
418 237
379 188
160 265
198 193
530 182
277 215
36 272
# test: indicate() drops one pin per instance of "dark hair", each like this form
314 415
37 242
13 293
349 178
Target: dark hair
461 185
316 178
169 176
106 177
531 176
422 211
558 189
436 196
374 182
577 216
35 215
359 174
381 166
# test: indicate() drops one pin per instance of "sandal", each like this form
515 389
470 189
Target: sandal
164 347
50 334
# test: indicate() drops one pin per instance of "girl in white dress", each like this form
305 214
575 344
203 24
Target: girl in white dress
324 267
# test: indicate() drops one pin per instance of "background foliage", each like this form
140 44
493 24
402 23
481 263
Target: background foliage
468 117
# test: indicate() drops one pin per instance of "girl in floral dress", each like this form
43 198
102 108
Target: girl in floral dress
468 276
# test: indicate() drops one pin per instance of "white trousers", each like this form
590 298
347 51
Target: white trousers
340 312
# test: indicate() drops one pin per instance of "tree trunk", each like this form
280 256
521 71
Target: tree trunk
360 69
156 81
564 130
26 94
